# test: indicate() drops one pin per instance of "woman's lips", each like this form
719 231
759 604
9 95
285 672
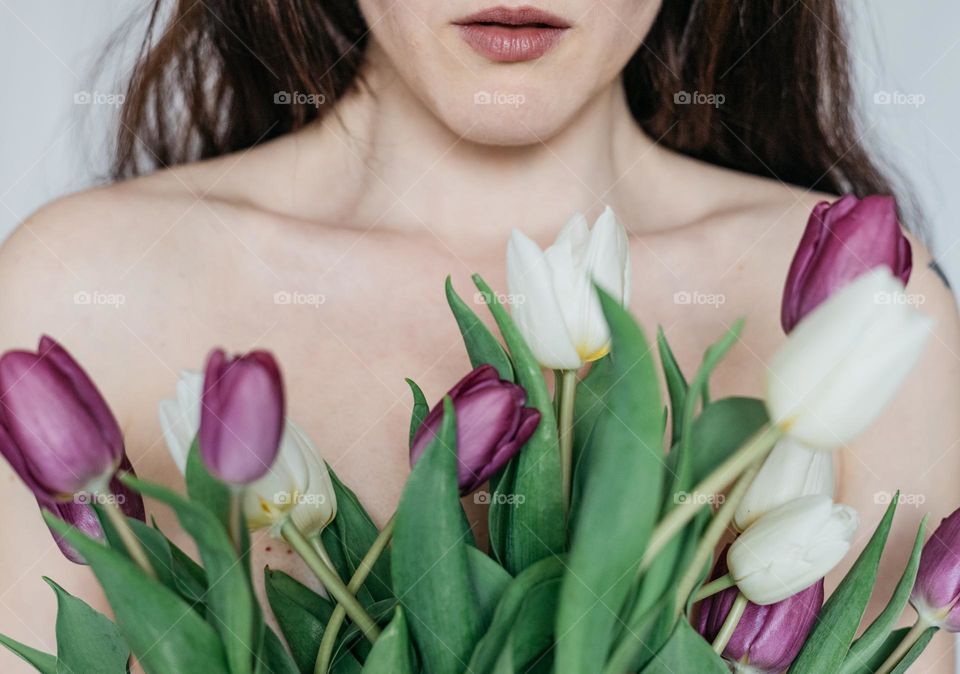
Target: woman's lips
510 35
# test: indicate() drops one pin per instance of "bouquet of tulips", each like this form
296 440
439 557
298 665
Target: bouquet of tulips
607 503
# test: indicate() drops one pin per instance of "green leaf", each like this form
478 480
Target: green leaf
393 652
87 641
890 643
163 632
874 636
274 658
482 346
620 500
231 606
353 532
154 544
720 430
490 580
204 488
644 636
40 661
420 409
301 615
431 569
837 623
535 528
537 585
676 384
914 651
682 460
686 651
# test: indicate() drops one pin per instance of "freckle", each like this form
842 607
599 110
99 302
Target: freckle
269 548
289 552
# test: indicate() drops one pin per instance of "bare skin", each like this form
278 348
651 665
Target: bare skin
373 218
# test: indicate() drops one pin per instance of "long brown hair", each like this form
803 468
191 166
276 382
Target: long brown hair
208 72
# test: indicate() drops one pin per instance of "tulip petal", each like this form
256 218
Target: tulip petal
537 313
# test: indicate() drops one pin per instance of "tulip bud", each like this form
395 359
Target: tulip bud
297 485
492 426
845 361
790 548
790 471
842 241
768 638
60 436
241 420
937 588
557 309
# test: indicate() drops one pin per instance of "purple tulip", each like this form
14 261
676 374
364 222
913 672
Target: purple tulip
56 430
937 588
79 514
842 241
767 638
241 420
492 426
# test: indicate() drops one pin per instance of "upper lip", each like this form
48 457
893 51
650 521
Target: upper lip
514 16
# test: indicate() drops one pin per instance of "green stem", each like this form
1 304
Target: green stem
711 537
909 639
130 540
713 587
754 450
730 624
330 632
335 587
568 392
237 522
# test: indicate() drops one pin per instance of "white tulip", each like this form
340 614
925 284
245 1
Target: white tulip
791 547
845 361
790 471
557 309
298 485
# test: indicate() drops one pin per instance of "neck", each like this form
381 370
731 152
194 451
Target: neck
414 174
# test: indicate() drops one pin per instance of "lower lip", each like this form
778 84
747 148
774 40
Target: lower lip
510 44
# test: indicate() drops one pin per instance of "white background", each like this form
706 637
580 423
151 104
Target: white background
904 52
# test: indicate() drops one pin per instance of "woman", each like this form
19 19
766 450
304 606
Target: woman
302 175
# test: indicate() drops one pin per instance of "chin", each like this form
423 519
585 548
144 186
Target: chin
494 116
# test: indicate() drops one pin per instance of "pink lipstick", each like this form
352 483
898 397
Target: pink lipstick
512 34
